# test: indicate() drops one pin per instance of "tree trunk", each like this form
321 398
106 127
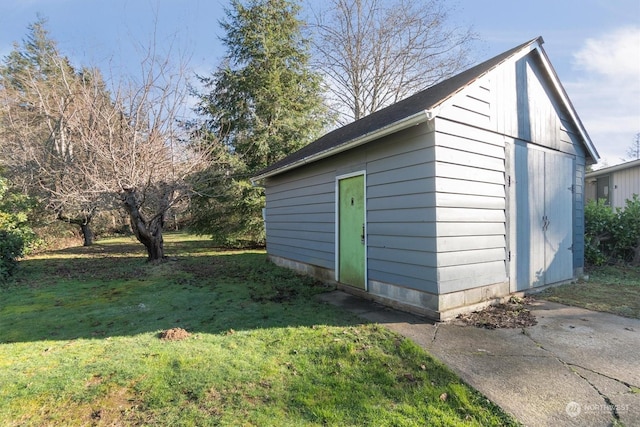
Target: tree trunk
84 224
87 234
156 249
148 232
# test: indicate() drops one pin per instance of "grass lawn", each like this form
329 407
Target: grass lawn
80 345
614 289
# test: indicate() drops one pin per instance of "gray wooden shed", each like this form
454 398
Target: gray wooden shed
458 195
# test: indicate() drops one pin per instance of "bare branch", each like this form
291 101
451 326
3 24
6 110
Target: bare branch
376 52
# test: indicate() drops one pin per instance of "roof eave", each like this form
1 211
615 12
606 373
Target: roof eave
407 122
615 168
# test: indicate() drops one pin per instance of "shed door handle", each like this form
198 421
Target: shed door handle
545 223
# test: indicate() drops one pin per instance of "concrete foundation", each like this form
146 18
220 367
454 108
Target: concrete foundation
438 307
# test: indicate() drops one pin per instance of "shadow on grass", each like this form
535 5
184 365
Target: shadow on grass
351 375
110 290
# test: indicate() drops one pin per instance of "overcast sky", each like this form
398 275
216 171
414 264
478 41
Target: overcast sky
594 45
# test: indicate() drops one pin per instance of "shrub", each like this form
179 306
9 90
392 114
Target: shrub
612 235
599 219
16 236
626 233
12 247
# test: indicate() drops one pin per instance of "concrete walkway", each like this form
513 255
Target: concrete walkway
574 368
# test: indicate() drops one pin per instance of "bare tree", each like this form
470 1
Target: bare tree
376 52
42 123
150 154
634 149
82 147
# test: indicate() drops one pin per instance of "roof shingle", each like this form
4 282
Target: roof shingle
421 101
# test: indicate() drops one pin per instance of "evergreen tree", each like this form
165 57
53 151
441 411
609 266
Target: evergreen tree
263 102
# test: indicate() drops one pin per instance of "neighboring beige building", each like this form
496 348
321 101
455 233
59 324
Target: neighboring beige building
614 184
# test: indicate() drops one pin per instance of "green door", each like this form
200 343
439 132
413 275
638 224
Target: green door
351 233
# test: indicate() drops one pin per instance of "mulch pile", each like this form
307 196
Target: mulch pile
174 334
512 314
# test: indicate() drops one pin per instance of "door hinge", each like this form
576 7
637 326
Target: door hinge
572 188
509 181
509 256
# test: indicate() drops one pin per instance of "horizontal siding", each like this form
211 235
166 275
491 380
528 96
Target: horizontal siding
464 271
569 138
472 215
469 228
397 175
415 216
324 227
327 217
404 274
473 105
303 254
403 256
400 213
390 189
403 229
458 171
472 242
466 114
414 152
460 186
470 206
406 201
326 247
484 276
315 198
400 180
464 145
300 215
450 259
457 138
469 201
419 244
301 235
302 209
322 188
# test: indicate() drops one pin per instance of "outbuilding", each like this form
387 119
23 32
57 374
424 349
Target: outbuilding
461 194
614 185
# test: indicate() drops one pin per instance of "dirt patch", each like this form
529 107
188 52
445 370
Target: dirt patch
116 408
174 334
512 314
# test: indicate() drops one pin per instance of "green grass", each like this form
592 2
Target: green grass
612 289
79 345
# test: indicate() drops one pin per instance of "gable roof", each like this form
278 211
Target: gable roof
411 111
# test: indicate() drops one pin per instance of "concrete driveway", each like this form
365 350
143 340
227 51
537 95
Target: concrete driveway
574 368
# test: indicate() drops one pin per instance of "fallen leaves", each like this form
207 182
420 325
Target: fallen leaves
512 314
